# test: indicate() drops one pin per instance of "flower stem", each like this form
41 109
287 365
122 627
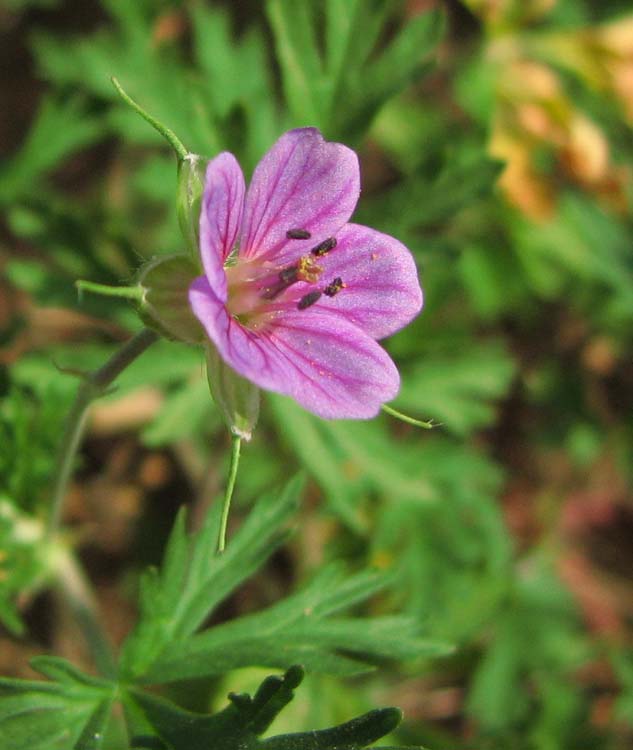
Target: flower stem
236 443
409 420
167 134
93 386
127 292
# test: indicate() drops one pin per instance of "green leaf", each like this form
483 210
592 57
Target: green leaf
458 389
579 249
185 410
491 274
126 50
75 243
341 88
352 28
26 562
164 365
293 27
58 129
320 456
262 532
341 456
421 201
203 659
178 598
59 715
299 629
235 78
238 726
623 666
62 671
403 59
353 734
229 81
93 735
366 86
495 695
194 580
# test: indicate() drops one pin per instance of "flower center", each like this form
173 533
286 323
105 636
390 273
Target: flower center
258 291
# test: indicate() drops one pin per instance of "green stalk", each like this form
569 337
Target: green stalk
72 584
127 292
236 443
409 420
167 134
93 386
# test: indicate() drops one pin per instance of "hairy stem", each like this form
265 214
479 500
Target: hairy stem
93 386
168 135
406 418
236 443
127 292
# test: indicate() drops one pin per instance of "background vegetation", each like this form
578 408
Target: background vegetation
495 140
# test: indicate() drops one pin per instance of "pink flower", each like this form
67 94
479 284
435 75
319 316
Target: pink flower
293 296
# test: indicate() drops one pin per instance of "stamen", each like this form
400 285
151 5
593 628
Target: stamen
334 287
289 275
308 270
324 247
298 234
286 277
309 299
305 270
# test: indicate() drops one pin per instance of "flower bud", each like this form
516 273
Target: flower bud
165 304
236 397
191 172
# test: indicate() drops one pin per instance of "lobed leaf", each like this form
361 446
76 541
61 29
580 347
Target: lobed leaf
70 712
340 88
298 630
239 726
459 390
58 129
194 580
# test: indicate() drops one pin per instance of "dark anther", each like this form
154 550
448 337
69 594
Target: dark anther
308 299
324 247
334 288
289 275
298 234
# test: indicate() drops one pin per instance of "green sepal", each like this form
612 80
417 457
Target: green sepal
236 397
164 304
191 172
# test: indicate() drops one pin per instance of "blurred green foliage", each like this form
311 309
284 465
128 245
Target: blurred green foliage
522 352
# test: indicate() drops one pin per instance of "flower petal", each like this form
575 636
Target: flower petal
341 373
220 217
303 182
324 362
382 292
238 346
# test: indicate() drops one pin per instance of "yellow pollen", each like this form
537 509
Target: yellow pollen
308 270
